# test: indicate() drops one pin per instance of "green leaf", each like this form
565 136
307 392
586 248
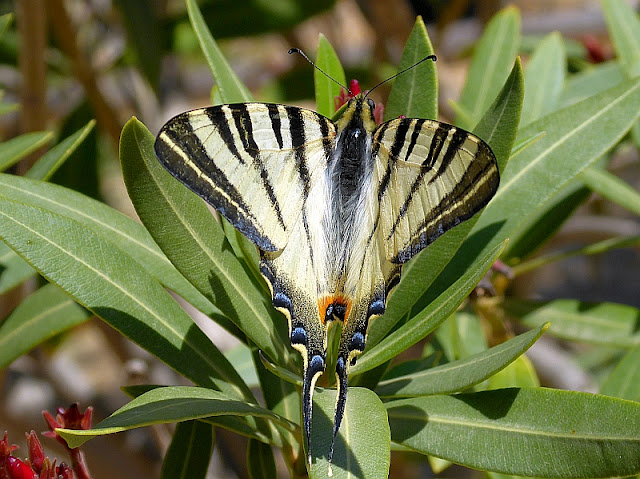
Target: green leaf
415 93
236 424
451 337
110 283
5 21
429 318
547 221
230 88
498 128
461 374
544 78
49 163
169 404
612 188
577 137
499 124
184 228
260 461
624 380
362 447
15 149
623 25
492 60
519 374
530 432
13 269
595 248
122 231
606 324
326 90
40 316
189 452
591 81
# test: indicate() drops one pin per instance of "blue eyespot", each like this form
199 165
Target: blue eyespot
316 363
299 336
281 300
357 342
376 307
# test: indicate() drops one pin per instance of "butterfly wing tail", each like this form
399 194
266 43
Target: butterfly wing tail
341 401
313 368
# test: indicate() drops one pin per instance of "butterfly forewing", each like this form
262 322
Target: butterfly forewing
254 162
431 176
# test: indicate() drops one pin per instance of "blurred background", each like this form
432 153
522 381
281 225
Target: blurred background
65 62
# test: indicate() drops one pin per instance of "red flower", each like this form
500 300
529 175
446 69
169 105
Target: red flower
70 418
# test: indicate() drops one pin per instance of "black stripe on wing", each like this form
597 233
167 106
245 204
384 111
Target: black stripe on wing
459 204
244 125
435 148
224 197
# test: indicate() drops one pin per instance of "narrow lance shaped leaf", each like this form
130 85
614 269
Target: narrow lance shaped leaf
53 159
109 283
260 461
13 269
492 59
40 316
326 89
362 448
230 88
607 324
529 432
415 93
170 404
591 81
112 225
189 452
13 150
544 78
623 25
612 188
624 380
461 374
576 137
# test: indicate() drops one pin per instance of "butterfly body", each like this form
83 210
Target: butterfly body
335 208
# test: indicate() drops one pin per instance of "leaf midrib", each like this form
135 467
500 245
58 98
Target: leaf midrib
185 340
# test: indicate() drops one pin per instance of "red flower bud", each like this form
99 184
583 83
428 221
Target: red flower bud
36 453
64 472
17 469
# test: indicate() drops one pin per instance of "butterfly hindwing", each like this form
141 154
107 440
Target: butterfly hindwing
431 177
254 162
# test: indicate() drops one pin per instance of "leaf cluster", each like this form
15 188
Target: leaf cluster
549 139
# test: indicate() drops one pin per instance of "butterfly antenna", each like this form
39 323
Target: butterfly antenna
297 50
430 57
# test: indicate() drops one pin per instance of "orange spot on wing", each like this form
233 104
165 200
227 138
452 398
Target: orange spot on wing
333 300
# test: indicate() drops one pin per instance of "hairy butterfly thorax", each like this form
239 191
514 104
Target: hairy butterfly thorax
335 208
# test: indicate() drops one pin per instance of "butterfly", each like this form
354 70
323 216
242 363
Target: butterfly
335 208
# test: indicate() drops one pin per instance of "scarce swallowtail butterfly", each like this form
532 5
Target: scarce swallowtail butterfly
335 208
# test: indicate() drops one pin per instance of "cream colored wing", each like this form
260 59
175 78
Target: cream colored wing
253 162
431 177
